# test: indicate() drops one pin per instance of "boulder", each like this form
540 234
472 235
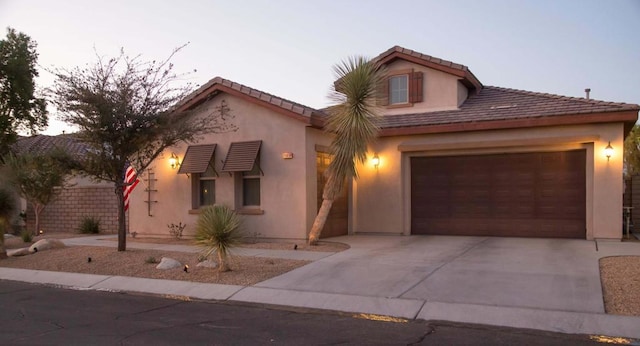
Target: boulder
9 236
168 263
18 252
207 264
46 244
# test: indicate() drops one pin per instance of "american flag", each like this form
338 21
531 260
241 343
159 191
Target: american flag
130 182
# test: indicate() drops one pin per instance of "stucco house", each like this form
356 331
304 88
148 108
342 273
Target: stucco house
454 157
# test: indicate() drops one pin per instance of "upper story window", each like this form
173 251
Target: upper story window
398 89
403 88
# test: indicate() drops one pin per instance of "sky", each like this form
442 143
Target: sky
288 47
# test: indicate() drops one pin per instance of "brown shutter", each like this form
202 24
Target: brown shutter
383 93
241 156
197 158
415 87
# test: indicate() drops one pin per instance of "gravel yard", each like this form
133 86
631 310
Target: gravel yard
621 284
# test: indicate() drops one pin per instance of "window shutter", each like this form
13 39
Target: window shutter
383 93
415 87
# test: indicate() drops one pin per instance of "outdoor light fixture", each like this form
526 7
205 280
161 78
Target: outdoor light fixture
375 160
608 151
173 161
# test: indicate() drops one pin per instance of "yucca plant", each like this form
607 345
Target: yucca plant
353 121
218 230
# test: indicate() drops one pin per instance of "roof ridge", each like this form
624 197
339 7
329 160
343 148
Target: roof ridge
563 97
252 92
423 56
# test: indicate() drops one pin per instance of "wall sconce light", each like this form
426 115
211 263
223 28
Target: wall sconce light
375 160
173 161
608 151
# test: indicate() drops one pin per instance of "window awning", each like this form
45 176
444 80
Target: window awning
241 156
197 158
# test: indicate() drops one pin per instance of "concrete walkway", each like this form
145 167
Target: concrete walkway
547 284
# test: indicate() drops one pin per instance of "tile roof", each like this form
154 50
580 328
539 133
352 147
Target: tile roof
218 84
397 52
495 103
425 57
41 144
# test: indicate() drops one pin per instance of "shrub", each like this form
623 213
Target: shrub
218 230
150 260
89 225
26 236
176 230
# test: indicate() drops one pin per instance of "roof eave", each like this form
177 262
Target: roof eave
628 117
468 78
216 88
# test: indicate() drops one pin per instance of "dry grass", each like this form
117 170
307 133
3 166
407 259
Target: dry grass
621 284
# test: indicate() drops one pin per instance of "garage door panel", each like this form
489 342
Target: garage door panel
524 195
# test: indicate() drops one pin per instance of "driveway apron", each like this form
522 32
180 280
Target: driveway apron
554 274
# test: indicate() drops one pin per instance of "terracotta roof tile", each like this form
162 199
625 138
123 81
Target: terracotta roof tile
288 105
41 144
495 103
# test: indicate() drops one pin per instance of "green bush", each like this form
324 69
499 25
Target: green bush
89 225
218 230
26 236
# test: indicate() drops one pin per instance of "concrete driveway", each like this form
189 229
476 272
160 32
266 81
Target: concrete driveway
548 274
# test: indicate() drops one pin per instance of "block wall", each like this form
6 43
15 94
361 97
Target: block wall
66 212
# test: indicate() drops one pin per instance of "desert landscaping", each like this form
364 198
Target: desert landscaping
245 270
620 275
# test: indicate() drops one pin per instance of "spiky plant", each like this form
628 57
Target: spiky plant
7 206
218 230
354 123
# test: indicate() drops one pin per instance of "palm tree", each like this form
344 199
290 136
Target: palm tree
218 230
354 122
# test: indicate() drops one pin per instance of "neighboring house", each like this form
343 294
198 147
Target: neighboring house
454 157
85 197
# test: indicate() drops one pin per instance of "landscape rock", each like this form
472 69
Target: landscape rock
168 263
18 252
207 264
46 244
9 236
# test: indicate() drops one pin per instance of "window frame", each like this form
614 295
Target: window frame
196 186
415 88
391 90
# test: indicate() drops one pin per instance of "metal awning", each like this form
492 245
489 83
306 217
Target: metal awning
241 156
197 158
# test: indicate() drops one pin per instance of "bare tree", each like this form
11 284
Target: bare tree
125 110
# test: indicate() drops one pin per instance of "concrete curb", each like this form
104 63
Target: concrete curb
396 307
550 320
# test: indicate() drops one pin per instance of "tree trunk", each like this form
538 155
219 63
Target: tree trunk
37 209
222 262
122 230
321 219
3 231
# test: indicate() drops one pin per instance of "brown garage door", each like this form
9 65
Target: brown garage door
519 195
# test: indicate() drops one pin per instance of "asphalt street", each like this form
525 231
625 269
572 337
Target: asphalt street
37 314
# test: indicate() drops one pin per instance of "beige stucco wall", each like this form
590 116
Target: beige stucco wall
383 195
285 186
441 90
